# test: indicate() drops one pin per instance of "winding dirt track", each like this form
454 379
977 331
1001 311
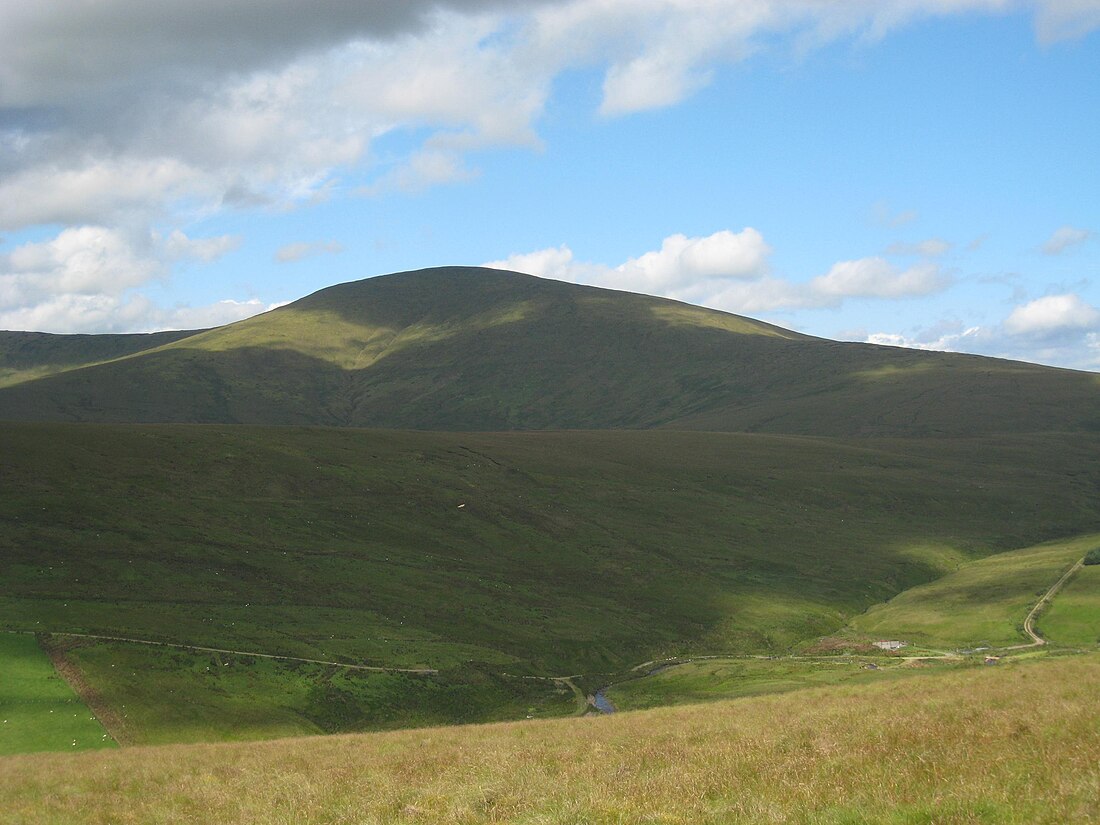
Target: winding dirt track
1029 622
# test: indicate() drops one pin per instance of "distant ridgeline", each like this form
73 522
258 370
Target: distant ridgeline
462 348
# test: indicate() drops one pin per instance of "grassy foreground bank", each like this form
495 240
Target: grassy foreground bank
1019 743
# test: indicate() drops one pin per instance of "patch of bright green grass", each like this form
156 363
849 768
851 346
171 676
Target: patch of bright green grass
166 695
38 710
984 602
1073 618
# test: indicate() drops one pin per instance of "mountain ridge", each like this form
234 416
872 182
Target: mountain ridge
468 348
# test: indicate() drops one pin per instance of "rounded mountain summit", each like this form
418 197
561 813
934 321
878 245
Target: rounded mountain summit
467 348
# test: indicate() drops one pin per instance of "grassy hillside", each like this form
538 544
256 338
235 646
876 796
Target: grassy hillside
542 554
26 356
1014 744
984 602
1074 617
38 710
473 349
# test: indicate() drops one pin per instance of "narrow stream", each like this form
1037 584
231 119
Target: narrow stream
601 702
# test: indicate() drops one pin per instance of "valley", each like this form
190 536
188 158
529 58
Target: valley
401 508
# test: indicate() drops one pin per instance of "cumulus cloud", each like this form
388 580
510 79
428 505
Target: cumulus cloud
84 279
102 313
1062 330
1052 315
178 246
1064 238
57 51
878 278
129 107
297 251
89 190
128 113
680 266
731 270
87 260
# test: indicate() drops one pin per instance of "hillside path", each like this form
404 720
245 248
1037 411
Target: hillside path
424 671
1029 622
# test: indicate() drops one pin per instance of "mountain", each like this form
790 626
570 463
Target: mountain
460 348
25 356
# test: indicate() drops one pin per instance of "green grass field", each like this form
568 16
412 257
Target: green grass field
1074 616
985 602
38 710
1017 744
164 695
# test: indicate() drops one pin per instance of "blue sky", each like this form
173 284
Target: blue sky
911 172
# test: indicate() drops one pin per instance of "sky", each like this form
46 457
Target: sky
920 173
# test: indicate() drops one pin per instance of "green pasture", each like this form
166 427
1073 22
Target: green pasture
38 710
1074 616
983 603
167 695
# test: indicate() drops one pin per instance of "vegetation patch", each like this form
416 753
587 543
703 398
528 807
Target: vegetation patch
531 554
983 603
167 695
1073 618
38 710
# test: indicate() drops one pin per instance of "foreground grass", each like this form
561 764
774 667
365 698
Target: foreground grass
985 602
38 710
1015 744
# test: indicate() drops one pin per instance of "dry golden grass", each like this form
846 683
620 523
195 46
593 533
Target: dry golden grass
1014 743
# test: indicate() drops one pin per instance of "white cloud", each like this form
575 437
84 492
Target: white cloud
1064 238
210 315
178 246
102 313
954 338
731 271
156 107
91 190
85 280
684 262
878 278
681 265
1061 330
87 261
297 251
1066 19
128 113
1052 315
